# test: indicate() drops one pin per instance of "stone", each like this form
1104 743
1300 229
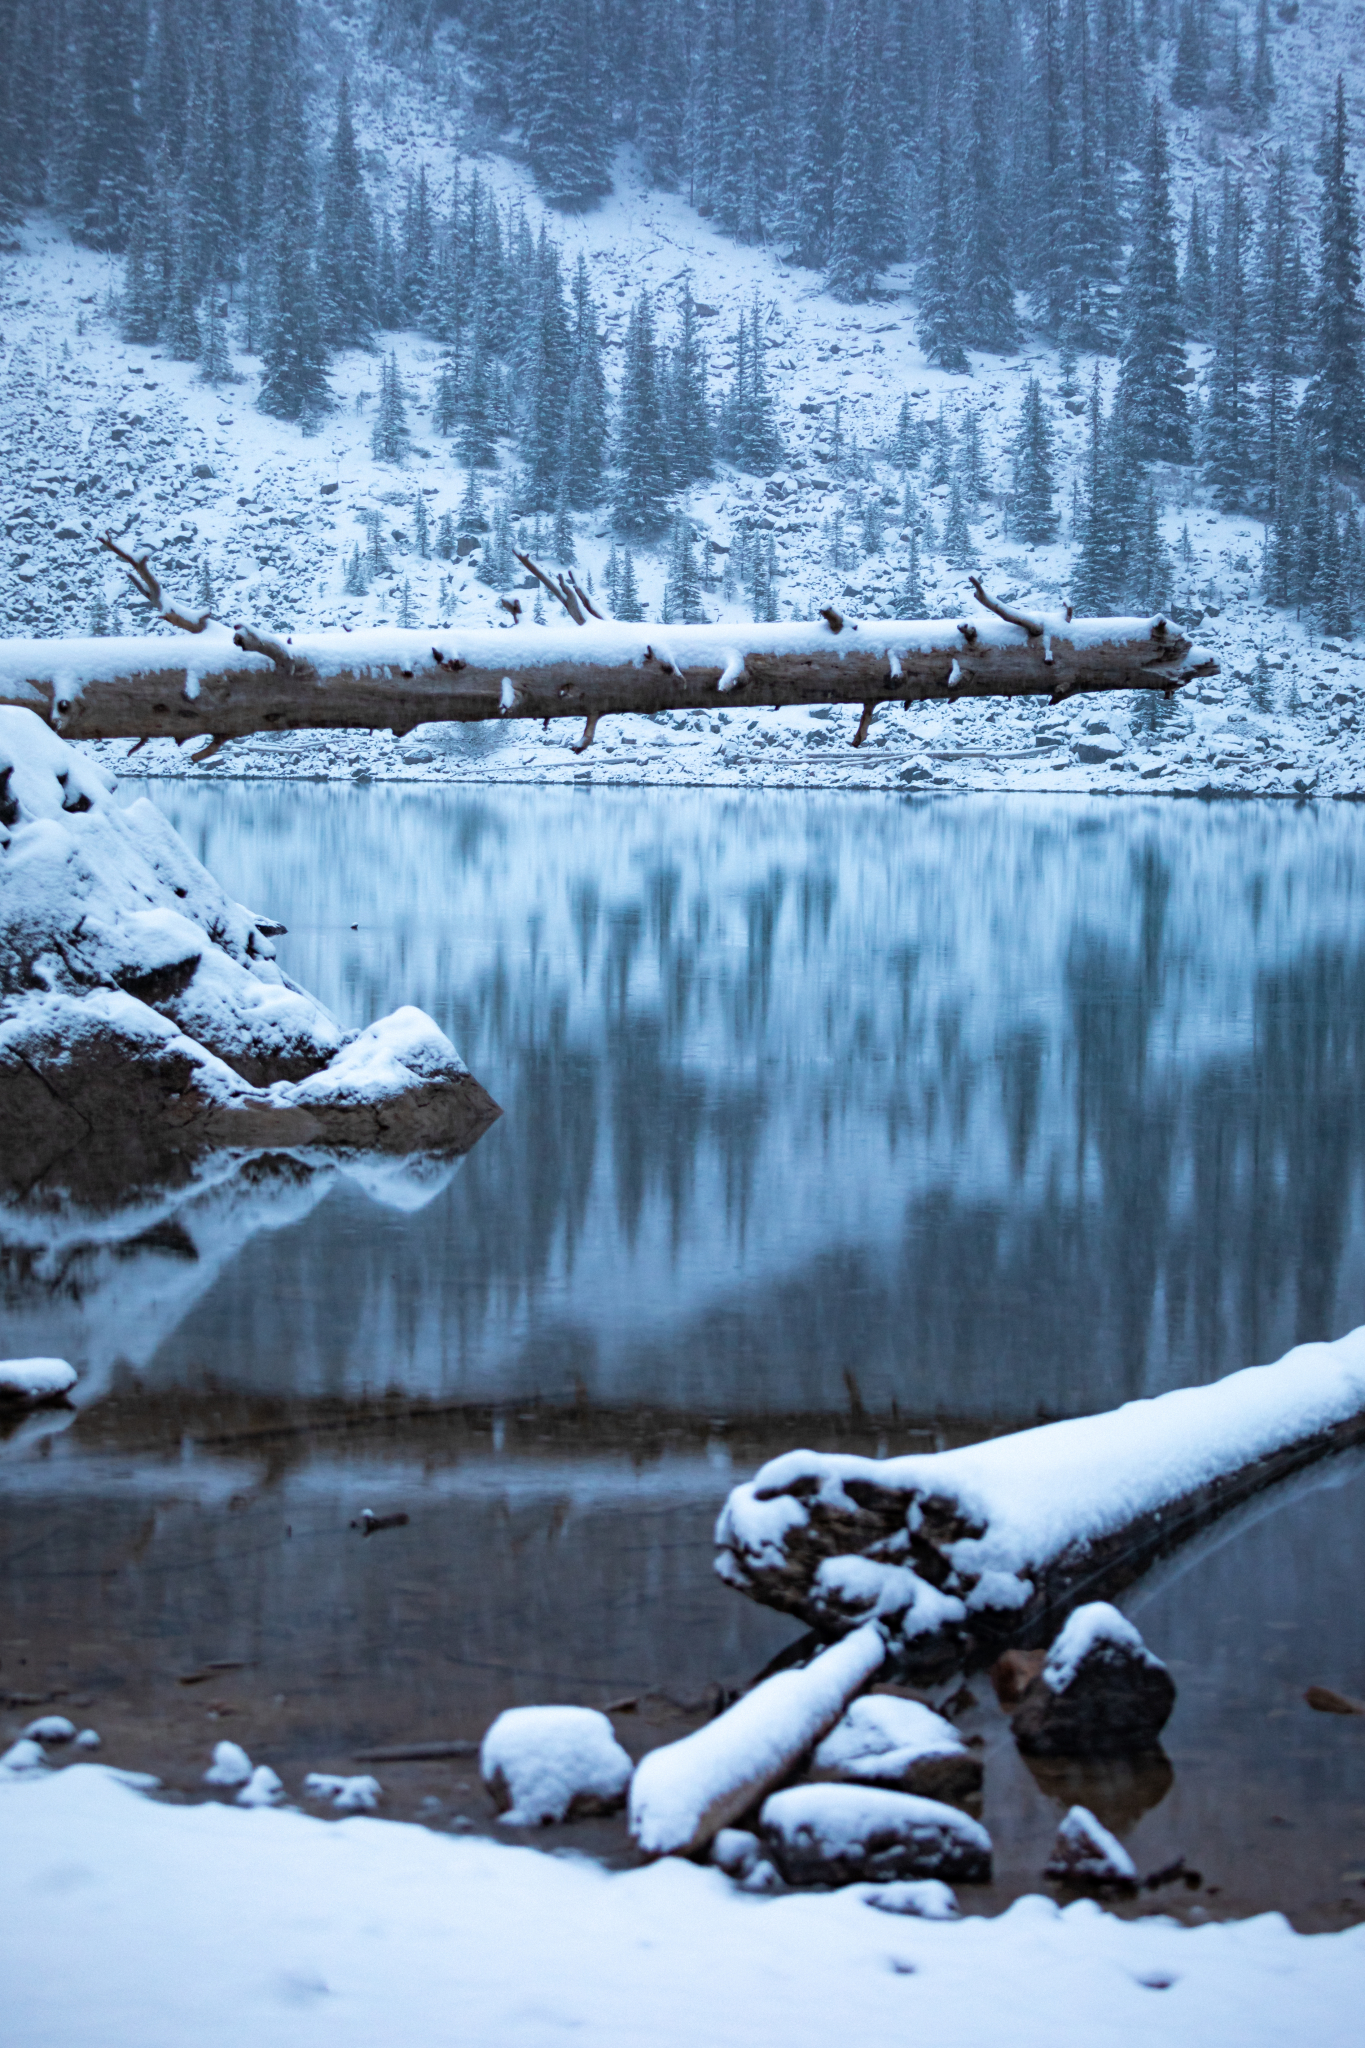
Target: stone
543 1764
1087 1854
846 1834
883 1740
1013 1672
920 1898
1095 752
1100 1693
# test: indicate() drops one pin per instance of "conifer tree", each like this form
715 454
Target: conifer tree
566 114
421 528
985 263
471 515
971 459
181 328
1034 517
662 95
215 361
682 596
585 427
141 314
1228 429
561 538
628 606
1190 79
941 324
544 368
872 523
445 399
1262 88
1196 284
858 236
1335 399
475 445
912 599
750 429
294 385
103 148
348 250
689 415
445 537
641 492
389 436
810 208
1277 315
957 539
1152 357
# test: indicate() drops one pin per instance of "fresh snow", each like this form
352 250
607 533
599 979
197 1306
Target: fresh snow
36 1379
685 1791
1089 1626
347 1795
1086 1851
543 1764
50 1728
921 1898
881 1735
231 1765
857 1825
213 1925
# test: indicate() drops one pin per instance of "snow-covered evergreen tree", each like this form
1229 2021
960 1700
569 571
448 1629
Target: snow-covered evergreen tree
641 491
1335 398
1152 358
348 252
389 436
1034 516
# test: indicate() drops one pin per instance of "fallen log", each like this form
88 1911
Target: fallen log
994 1543
228 685
683 1794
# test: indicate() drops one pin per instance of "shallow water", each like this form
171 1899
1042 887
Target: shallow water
831 1120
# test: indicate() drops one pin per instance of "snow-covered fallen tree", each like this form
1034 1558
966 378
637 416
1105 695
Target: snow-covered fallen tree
143 1017
228 684
995 1541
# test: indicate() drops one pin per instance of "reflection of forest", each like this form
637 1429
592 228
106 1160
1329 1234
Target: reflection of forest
984 1108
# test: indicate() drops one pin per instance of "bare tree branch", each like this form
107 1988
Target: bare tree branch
146 585
1033 627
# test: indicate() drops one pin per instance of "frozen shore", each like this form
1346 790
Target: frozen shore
274 1926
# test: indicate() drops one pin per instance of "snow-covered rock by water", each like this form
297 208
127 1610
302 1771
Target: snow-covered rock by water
842 1834
685 1792
35 1379
211 1925
347 1795
919 1898
544 1764
1101 1692
143 1017
231 1765
51 1728
990 1536
21 1757
1087 1853
883 1740
263 1788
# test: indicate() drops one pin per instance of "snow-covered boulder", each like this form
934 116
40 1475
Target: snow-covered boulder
231 1765
143 1016
544 1764
883 1740
918 1898
35 1379
843 1834
1100 1692
1086 1853
262 1788
51 1728
347 1795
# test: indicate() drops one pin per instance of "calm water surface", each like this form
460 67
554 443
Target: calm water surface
838 1121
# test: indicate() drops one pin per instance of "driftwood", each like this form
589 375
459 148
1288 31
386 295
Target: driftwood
386 678
959 1553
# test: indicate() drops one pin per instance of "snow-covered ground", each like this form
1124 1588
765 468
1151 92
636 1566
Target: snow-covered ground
278 1927
98 433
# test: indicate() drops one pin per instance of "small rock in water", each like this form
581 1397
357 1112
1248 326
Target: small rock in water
1086 1853
35 1379
735 1851
544 1764
883 1740
21 1757
50 1728
87 1739
1101 1692
231 1765
348 1795
1014 1672
844 1834
923 1898
263 1788
1324 1699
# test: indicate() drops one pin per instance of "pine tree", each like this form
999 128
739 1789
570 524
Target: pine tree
663 88
1035 518
585 428
641 493
985 264
1050 294
1277 315
445 399
628 606
971 459
389 436
1152 358
103 147
872 523
417 259
912 603
905 447
215 360
348 253
1229 425
815 157
544 368
941 323
613 579
1335 399
858 236
355 584
957 539
294 385
1262 89
689 415
682 594
749 429
181 328
475 445
421 528
1196 284
566 113
141 312
561 538
1190 79
407 610
471 515
445 537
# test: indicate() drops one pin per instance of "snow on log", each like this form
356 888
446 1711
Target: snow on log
682 1794
143 1019
226 685
994 1541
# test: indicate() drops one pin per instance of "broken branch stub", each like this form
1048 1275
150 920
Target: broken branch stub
376 678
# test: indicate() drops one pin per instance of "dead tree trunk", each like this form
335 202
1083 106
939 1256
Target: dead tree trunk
227 687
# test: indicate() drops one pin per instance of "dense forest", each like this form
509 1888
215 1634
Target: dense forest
1015 153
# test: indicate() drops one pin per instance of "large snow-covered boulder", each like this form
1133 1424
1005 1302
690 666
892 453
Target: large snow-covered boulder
900 1743
1100 1693
143 1015
843 1834
35 1379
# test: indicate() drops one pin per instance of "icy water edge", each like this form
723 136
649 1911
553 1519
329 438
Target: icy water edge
834 1120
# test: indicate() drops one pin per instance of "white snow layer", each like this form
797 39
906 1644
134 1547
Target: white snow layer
1087 1850
881 1733
348 1795
543 1763
684 1792
1092 1625
231 1765
35 1379
1038 1493
109 923
217 1926
838 1821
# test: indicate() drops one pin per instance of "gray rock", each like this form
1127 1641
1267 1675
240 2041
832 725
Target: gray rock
1087 1854
1100 1693
1095 752
845 1834
902 1744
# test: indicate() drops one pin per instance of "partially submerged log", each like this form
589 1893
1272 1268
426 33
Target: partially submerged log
683 1794
994 1543
226 686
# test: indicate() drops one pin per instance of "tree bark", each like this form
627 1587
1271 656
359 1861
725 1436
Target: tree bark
210 685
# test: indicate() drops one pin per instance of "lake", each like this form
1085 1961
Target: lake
848 1121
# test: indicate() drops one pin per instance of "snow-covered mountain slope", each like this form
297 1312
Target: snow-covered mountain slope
98 434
